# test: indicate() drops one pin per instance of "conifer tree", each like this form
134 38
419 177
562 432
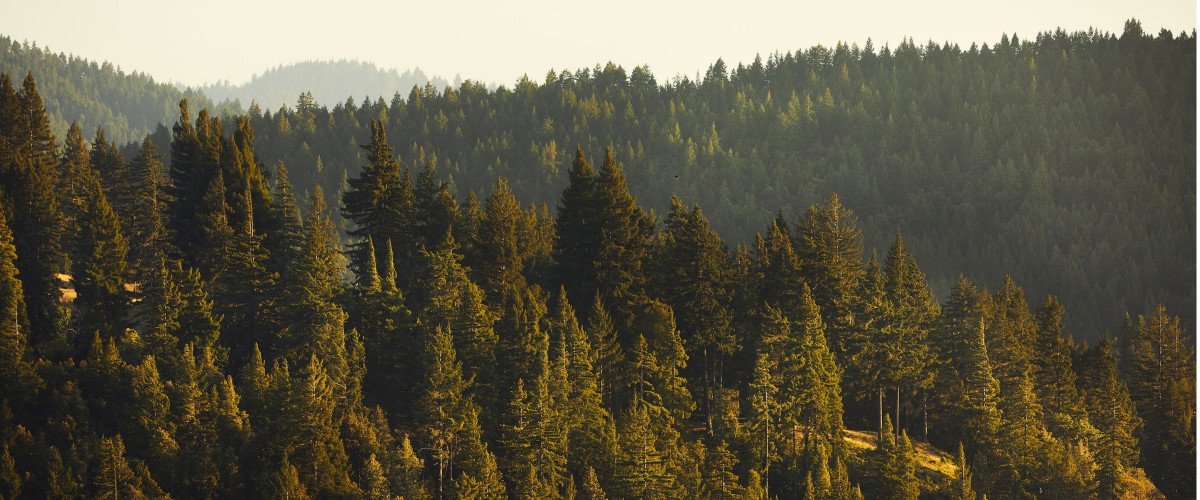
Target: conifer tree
406 479
75 176
1113 414
897 465
693 284
16 362
913 311
578 235
284 241
479 475
99 266
380 201
607 356
978 400
314 321
720 482
37 219
962 489
1055 378
115 478
498 262
443 405
641 470
828 242
147 210
1162 386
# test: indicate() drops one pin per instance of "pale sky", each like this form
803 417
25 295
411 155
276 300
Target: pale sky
203 41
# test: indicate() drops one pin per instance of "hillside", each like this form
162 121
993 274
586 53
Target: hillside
330 82
1066 160
128 105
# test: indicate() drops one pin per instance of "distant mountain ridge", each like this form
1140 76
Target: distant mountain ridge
330 82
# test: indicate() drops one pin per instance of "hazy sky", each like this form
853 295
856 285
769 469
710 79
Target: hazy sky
202 41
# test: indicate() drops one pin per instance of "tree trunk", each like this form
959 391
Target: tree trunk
897 422
879 433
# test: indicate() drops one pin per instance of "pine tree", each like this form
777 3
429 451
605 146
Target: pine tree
314 321
16 361
591 432
978 400
75 176
99 266
607 357
406 479
37 219
1113 414
578 235
380 201
693 284
146 210
1162 386
115 478
642 464
720 482
828 242
913 311
443 405
479 475
498 262
284 241
244 289
897 465
962 489
1055 379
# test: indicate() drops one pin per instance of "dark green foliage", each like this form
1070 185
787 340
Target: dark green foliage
1113 414
98 267
896 465
128 105
1162 384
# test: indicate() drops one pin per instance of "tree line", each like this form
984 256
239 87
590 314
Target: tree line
189 323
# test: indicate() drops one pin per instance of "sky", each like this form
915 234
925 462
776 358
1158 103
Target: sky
203 41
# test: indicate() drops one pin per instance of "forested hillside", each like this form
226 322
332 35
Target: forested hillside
1064 159
330 82
191 323
128 105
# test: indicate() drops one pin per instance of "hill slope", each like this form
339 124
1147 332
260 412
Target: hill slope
127 105
331 82
1067 160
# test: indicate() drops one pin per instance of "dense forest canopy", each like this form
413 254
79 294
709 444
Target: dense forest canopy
1065 159
428 298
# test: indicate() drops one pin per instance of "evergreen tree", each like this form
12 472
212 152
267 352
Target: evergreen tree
146 210
1113 414
828 242
1055 379
380 201
693 284
443 405
1162 386
498 262
897 465
962 489
314 323
642 470
607 356
16 357
99 266
578 236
